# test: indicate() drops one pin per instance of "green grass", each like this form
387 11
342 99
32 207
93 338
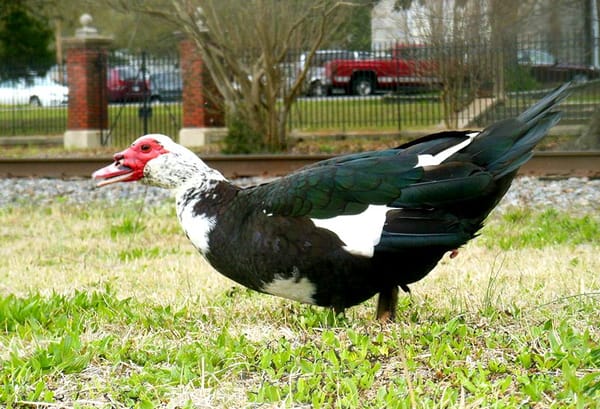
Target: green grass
524 228
124 120
27 120
107 305
338 114
355 114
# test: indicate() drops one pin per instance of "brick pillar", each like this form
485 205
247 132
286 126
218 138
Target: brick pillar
86 72
203 113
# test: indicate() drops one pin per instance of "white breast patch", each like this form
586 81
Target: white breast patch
292 288
197 228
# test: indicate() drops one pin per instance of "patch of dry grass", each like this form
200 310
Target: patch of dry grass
60 249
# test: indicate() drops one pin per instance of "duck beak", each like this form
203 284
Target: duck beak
113 173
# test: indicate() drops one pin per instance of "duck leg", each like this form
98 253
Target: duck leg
387 304
337 310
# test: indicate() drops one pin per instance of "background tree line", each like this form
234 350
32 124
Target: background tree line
25 38
29 29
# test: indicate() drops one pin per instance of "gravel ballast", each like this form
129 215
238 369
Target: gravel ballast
579 195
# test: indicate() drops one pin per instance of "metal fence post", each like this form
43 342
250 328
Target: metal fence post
145 110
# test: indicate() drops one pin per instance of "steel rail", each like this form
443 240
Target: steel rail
542 164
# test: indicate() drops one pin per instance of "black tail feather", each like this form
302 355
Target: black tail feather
521 151
506 145
540 108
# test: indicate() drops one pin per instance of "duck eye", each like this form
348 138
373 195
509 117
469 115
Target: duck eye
145 147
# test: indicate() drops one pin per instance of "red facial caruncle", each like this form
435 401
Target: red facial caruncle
129 164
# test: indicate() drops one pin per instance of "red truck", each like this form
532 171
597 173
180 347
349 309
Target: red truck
407 67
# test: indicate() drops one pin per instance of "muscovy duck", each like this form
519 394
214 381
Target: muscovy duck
342 230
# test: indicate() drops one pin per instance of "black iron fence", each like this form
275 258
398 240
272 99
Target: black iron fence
399 85
391 87
144 95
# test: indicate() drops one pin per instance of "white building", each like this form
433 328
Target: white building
550 22
422 21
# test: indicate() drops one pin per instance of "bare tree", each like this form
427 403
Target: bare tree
504 18
247 47
590 136
460 54
473 41
454 32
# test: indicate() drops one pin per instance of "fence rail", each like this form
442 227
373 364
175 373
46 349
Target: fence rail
462 93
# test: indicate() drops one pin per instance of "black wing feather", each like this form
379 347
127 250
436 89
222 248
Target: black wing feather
346 185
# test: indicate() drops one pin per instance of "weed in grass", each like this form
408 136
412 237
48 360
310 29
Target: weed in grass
491 292
326 149
137 253
127 226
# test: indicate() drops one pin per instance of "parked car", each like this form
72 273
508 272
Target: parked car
315 82
36 91
166 86
58 73
405 67
126 84
545 67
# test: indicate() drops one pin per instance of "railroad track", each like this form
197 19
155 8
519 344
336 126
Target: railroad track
543 164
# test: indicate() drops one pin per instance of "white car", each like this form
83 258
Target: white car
36 91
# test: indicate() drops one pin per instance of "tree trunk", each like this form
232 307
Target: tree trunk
590 137
504 16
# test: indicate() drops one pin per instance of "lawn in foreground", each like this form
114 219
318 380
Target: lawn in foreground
110 306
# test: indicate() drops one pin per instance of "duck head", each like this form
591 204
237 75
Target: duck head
155 160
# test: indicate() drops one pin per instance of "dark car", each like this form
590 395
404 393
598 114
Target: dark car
126 84
544 67
166 86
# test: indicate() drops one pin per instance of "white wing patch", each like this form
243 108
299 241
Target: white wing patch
293 288
433 160
359 232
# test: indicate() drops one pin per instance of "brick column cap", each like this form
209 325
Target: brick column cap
87 36
87 42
